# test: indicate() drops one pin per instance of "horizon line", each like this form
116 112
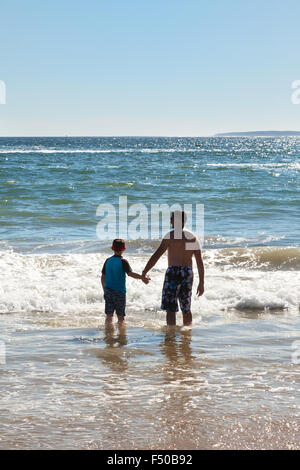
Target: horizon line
218 134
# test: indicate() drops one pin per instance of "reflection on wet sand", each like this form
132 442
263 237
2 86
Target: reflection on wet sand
181 375
176 348
113 355
113 340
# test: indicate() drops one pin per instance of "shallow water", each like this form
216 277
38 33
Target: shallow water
231 385
232 380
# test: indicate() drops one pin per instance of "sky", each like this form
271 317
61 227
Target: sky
148 67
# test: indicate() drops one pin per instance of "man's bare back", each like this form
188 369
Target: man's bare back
181 245
179 249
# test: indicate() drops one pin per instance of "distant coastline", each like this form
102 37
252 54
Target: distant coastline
259 134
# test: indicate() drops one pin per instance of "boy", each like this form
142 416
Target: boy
113 281
182 245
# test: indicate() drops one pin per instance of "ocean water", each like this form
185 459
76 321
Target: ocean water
232 380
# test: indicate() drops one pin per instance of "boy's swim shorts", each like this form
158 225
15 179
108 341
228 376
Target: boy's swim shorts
114 301
177 286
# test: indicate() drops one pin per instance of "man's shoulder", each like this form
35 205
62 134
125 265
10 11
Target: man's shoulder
190 236
192 241
168 236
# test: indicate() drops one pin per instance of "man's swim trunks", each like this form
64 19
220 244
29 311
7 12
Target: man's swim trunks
177 286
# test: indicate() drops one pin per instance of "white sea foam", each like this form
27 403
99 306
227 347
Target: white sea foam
288 165
66 287
112 150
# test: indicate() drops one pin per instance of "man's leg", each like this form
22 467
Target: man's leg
169 296
185 296
171 318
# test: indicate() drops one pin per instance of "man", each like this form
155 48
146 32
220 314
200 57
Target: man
182 245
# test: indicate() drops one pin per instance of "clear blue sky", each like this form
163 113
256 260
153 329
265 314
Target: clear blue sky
148 67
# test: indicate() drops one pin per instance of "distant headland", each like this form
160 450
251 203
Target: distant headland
259 134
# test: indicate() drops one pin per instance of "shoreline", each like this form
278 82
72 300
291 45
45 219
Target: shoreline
221 387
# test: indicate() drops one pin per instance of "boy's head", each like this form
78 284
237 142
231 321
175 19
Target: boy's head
118 245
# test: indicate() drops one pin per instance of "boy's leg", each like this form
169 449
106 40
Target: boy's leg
109 305
187 318
171 318
109 318
121 319
120 303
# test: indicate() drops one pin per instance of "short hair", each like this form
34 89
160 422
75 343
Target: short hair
179 214
118 244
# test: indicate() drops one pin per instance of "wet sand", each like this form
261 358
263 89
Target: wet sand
218 387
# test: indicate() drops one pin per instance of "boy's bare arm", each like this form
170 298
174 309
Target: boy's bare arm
103 280
200 266
139 276
156 255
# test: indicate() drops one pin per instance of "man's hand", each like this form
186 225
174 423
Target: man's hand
200 289
145 279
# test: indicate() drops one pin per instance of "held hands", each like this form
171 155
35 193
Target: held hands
145 279
142 277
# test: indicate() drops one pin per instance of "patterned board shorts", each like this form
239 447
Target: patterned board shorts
114 301
177 286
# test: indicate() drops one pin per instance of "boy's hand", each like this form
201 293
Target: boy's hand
145 279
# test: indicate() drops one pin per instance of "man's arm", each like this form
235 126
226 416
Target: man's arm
200 266
156 255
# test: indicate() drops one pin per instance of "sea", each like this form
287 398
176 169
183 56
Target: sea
231 381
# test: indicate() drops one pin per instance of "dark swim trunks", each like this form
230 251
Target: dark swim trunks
114 301
177 286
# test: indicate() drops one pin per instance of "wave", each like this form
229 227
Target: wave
217 251
67 286
4 152
218 165
263 258
289 165
212 247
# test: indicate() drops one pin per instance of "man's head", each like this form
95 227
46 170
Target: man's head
178 218
118 245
